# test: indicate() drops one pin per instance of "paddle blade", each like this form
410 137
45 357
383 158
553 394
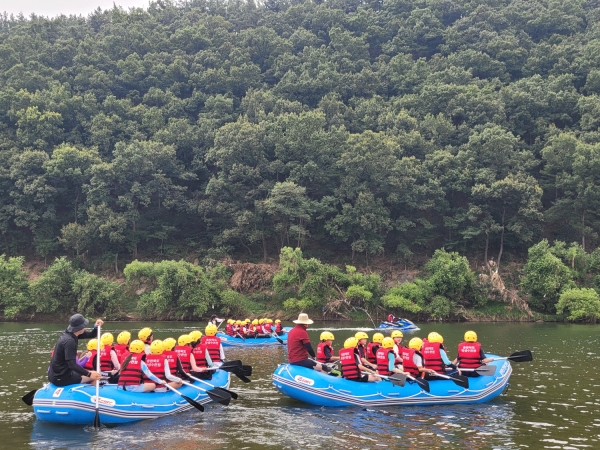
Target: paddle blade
238 373
194 403
424 384
219 397
398 379
460 380
234 364
279 340
97 419
521 356
247 370
232 394
485 370
28 398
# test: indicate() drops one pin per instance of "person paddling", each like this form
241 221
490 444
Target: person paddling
412 359
122 347
386 360
362 339
434 353
279 328
299 346
397 336
352 367
470 354
373 346
146 335
64 370
135 375
324 349
159 365
213 345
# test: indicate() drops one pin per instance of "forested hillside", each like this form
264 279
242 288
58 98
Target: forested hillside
236 127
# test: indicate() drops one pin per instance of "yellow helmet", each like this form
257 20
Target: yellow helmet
107 339
378 337
211 329
261 321
137 346
277 321
144 334
415 343
124 337
169 343
470 336
397 333
184 339
350 342
387 342
92 344
238 322
156 348
247 320
435 337
327 336
230 321
269 320
195 335
255 322
361 335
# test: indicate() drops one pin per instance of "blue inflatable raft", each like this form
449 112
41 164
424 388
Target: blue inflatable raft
230 341
320 389
76 404
400 324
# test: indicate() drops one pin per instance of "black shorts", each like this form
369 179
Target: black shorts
305 363
362 379
65 380
202 375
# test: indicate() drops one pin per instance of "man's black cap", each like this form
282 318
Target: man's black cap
77 322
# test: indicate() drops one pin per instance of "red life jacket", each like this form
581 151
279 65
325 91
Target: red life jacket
229 330
321 356
391 318
407 361
122 350
91 363
199 353
213 345
372 348
156 365
469 355
171 356
132 375
278 328
267 328
350 369
184 352
106 364
382 360
432 358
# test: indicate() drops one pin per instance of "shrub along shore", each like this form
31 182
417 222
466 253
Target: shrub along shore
557 283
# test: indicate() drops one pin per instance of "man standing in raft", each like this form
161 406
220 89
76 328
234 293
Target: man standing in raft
63 369
299 347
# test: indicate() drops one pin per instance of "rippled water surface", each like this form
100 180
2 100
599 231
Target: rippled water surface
553 402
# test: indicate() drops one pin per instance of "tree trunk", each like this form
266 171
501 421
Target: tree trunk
245 246
501 241
76 203
135 249
264 245
117 263
487 245
583 230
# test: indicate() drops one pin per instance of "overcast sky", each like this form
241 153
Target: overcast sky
67 7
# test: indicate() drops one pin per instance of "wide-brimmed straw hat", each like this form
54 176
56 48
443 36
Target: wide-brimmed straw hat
303 319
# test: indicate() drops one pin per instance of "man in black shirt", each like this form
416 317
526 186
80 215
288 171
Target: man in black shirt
63 369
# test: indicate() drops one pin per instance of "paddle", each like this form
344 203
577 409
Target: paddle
222 398
235 367
397 379
28 398
483 370
97 415
238 333
195 404
278 338
233 395
423 384
459 380
520 356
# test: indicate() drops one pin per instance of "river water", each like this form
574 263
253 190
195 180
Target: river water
552 402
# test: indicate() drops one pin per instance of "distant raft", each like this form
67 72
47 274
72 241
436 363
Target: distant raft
320 389
231 341
399 324
76 404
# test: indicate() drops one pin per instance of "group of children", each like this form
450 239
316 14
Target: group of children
147 364
361 360
253 328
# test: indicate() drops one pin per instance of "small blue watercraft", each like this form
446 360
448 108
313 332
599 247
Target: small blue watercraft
399 324
76 404
236 341
321 389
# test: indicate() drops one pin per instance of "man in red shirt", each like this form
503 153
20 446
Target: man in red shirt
299 347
